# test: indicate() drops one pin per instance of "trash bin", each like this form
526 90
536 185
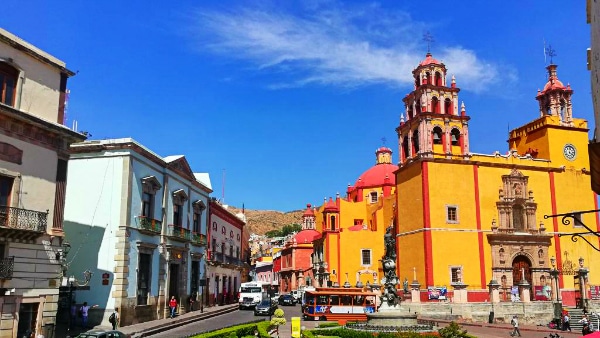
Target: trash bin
491 318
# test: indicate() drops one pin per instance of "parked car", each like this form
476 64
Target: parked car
102 334
287 300
265 307
297 294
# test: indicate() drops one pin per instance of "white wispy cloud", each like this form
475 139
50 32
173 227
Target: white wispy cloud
330 45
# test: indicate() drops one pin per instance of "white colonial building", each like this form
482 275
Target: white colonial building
34 150
138 222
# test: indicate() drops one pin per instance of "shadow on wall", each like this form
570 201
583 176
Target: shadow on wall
85 243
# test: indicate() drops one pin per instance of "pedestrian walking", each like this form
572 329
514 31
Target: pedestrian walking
515 323
84 311
566 322
114 318
173 306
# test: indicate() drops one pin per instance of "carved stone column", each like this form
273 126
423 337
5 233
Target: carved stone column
494 290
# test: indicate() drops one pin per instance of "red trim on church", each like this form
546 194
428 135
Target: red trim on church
479 233
557 253
427 225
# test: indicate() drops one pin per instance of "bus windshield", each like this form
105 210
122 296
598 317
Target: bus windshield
251 289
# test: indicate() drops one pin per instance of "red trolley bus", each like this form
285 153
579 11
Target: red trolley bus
339 304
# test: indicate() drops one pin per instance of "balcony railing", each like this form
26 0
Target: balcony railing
7 266
179 232
199 239
149 224
218 257
24 219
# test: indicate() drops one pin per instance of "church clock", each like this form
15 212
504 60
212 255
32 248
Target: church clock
570 152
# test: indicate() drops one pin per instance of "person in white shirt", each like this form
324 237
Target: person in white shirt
515 323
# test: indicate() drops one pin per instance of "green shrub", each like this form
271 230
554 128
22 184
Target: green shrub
332 324
454 331
243 330
347 333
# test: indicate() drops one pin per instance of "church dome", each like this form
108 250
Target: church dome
382 173
553 81
308 212
429 60
306 236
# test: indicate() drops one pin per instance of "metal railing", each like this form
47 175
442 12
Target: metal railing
24 219
180 232
146 223
7 266
198 238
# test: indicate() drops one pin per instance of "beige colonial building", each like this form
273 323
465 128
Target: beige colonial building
34 150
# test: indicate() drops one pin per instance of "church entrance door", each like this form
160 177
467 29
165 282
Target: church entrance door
521 264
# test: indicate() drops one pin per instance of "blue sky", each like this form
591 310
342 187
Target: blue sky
291 98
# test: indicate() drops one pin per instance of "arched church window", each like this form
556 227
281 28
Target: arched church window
428 77
405 147
438 79
437 135
518 218
448 106
332 220
455 137
435 105
418 107
8 83
563 108
415 140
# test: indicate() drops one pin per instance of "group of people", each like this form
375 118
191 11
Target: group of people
83 313
587 325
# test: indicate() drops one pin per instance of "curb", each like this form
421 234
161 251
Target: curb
183 321
498 326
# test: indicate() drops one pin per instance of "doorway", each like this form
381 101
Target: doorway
27 319
174 281
521 264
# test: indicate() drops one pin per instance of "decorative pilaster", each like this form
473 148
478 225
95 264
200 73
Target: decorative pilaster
494 290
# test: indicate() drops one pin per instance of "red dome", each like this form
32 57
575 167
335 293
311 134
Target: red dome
377 176
553 84
429 60
306 236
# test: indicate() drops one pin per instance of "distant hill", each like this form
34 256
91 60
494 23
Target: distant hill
261 221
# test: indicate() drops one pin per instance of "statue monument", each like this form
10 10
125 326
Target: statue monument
390 279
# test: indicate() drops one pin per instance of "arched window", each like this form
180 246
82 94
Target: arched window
438 79
415 140
405 147
435 105
563 108
428 77
418 107
8 83
455 137
332 220
437 135
448 106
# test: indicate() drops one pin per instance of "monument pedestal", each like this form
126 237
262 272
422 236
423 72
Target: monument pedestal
415 292
524 292
460 293
494 290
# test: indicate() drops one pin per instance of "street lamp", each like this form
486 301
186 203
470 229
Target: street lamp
557 302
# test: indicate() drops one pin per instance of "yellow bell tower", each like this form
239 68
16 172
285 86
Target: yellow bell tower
555 135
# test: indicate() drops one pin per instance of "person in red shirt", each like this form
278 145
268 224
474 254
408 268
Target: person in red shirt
173 306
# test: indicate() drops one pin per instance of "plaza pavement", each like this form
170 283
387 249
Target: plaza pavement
482 330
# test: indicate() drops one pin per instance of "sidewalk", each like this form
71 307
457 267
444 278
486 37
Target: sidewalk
526 330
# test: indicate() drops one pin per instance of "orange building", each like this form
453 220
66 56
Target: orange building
295 267
466 219
350 245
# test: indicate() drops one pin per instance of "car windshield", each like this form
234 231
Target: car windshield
264 303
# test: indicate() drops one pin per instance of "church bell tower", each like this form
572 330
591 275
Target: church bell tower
433 124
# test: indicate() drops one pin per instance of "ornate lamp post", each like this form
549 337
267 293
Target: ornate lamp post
72 282
554 273
582 274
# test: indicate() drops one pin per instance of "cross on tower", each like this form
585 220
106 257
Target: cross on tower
550 52
429 39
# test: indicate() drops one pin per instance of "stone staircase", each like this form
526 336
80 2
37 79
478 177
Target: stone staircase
575 316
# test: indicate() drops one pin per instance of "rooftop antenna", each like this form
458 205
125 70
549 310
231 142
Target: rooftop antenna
223 188
429 39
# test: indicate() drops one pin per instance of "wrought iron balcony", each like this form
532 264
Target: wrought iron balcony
148 224
199 239
179 232
218 257
7 266
23 219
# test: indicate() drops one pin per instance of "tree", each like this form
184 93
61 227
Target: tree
278 319
284 231
454 331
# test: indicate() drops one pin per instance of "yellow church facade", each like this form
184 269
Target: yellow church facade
350 245
464 220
